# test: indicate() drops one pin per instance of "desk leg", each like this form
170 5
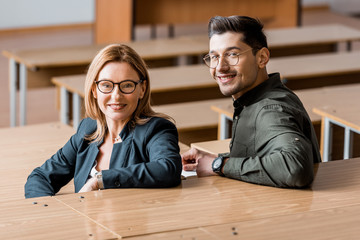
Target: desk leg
348 46
224 127
76 110
327 140
64 106
13 75
23 89
348 143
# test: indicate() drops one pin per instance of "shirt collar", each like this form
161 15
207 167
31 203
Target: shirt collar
254 94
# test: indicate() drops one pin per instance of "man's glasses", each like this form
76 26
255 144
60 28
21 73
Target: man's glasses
231 58
126 86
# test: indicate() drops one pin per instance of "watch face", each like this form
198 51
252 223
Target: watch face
217 163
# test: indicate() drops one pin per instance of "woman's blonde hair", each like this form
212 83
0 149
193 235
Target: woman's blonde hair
117 53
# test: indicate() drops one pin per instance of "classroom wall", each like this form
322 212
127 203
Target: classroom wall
40 13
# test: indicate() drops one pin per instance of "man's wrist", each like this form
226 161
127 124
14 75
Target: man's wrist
222 168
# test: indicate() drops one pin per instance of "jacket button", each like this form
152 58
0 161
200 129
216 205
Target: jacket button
117 184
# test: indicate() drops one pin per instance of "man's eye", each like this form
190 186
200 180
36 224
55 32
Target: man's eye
232 54
213 57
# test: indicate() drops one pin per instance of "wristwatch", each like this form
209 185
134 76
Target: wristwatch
99 179
217 165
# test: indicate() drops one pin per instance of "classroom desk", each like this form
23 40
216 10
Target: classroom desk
217 203
24 148
198 206
169 85
47 219
344 97
343 111
35 67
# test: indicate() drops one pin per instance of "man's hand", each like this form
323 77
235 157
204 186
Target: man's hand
90 185
198 160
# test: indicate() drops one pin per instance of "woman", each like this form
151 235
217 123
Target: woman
123 143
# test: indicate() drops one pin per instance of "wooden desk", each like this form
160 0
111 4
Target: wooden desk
169 85
198 206
47 219
25 148
344 97
35 67
216 203
343 111
273 13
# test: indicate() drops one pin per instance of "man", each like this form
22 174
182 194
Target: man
273 141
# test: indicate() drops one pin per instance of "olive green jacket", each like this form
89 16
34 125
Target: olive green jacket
273 140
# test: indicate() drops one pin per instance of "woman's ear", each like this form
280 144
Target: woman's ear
143 89
263 57
93 89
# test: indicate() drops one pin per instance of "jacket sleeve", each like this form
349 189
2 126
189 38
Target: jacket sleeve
284 154
56 172
161 164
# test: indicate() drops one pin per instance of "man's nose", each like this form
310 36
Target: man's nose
222 64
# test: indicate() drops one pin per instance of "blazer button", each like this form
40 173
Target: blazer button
117 184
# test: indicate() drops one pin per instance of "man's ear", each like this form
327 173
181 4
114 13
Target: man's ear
263 56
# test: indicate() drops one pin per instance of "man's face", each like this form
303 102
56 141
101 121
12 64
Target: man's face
234 80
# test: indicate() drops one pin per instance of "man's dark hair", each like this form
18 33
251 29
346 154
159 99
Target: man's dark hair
252 29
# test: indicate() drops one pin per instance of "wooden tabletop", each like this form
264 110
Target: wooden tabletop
187 45
215 147
343 108
315 65
47 218
198 76
339 102
22 149
216 201
209 205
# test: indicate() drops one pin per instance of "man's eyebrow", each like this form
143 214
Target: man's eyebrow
227 49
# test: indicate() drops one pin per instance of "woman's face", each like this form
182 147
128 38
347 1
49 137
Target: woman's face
118 107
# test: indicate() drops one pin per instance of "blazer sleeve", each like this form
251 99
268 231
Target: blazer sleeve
161 164
57 171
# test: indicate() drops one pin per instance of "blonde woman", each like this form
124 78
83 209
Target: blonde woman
122 143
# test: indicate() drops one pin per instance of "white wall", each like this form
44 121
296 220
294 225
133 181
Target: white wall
39 13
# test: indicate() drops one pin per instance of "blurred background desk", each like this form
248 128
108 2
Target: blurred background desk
34 67
344 113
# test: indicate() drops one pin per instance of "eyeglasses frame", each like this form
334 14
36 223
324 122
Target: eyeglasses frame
136 83
218 57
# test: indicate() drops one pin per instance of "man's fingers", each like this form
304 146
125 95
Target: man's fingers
189 167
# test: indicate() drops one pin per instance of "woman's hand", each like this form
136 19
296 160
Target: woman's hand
90 185
198 160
